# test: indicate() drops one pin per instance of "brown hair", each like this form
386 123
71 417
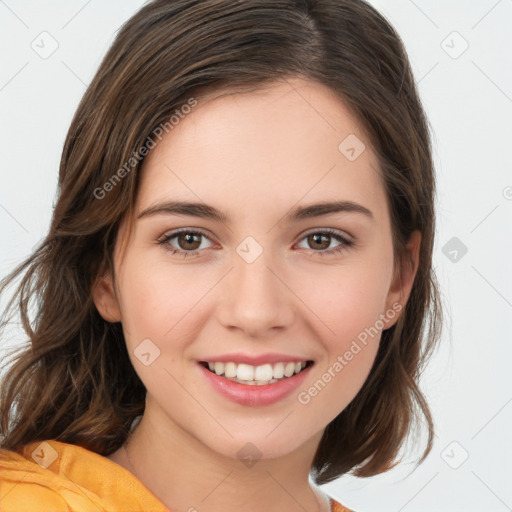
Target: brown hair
74 382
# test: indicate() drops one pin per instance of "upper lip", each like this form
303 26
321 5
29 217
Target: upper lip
255 360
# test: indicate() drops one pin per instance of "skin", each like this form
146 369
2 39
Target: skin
253 156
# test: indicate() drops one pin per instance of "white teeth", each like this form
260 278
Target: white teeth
255 382
245 372
263 372
230 370
289 369
278 372
256 375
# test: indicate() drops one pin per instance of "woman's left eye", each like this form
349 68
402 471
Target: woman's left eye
189 245
319 238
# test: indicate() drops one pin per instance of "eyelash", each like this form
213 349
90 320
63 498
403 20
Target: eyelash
344 245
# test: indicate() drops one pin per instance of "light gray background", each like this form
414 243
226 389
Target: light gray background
468 99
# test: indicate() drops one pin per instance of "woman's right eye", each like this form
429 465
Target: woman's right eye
187 241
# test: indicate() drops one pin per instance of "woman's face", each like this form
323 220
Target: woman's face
275 281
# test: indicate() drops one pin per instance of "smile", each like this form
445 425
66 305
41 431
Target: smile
261 385
256 375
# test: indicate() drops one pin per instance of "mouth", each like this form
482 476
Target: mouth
260 375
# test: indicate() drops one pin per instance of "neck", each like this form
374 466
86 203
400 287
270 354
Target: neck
184 474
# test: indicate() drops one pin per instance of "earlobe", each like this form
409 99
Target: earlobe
105 299
404 274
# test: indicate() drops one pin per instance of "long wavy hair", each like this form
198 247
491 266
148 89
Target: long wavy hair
73 380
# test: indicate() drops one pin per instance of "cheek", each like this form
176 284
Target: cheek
347 299
157 307
348 304
158 299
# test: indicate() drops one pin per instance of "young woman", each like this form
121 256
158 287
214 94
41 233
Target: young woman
236 292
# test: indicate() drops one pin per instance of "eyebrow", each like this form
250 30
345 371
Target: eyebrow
206 211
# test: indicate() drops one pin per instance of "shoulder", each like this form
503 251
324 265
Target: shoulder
19 496
25 487
57 476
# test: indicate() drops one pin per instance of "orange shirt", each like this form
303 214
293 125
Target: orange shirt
57 477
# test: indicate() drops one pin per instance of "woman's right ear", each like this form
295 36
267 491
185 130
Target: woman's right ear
105 299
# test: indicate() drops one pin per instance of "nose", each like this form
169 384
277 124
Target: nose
255 298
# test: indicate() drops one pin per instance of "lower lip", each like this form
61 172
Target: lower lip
255 395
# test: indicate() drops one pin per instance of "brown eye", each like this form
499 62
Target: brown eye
320 241
186 241
315 241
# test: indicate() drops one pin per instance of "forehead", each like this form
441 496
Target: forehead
248 151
